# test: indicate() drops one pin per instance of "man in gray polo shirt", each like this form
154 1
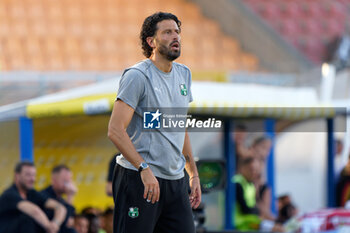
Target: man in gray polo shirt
149 186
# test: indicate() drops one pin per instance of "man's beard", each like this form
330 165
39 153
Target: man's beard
168 53
24 186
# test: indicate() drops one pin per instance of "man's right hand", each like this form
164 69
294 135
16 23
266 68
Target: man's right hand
150 182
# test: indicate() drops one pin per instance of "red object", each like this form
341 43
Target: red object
324 220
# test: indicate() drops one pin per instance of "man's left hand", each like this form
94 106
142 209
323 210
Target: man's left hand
196 193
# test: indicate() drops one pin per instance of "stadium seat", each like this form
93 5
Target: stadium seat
312 26
35 10
36 62
19 27
291 9
14 45
249 62
72 45
52 46
289 27
16 10
39 28
73 11
55 61
3 11
305 19
4 29
54 11
64 35
33 46
314 9
18 62
271 10
230 45
334 27
74 61
3 64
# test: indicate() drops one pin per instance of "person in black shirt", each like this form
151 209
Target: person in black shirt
61 184
20 205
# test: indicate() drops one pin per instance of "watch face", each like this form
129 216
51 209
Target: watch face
143 166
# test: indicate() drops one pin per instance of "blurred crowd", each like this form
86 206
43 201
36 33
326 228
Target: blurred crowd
342 177
253 194
24 209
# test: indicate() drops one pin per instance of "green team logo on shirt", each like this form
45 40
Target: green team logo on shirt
183 89
133 212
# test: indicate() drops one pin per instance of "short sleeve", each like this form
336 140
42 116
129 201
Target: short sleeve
37 198
9 202
131 87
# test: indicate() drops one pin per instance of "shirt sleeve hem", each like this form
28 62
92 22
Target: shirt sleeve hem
125 100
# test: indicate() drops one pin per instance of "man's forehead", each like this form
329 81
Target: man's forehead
64 172
167 24
28 168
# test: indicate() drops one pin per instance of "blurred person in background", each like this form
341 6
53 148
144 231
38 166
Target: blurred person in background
81 224
62 185
343 186
261 148
247 216
107 220
21 206
286 209
94 224
91 210
154 162
240 140
338 161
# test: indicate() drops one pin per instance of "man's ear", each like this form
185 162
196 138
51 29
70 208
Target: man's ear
150 42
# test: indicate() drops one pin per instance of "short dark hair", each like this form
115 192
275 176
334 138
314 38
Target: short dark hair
261 139
80 216
21 164
108 211
59 168
241 127
149 29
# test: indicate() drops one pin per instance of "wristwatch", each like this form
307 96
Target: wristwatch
143 166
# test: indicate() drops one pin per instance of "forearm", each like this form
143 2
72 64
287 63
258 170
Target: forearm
41 218
118 123
35 213
59 211
59 214
190 166
122 141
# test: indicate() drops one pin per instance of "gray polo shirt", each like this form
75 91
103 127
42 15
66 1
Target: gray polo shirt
145 86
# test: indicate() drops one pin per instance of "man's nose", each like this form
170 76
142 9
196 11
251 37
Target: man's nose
176 36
